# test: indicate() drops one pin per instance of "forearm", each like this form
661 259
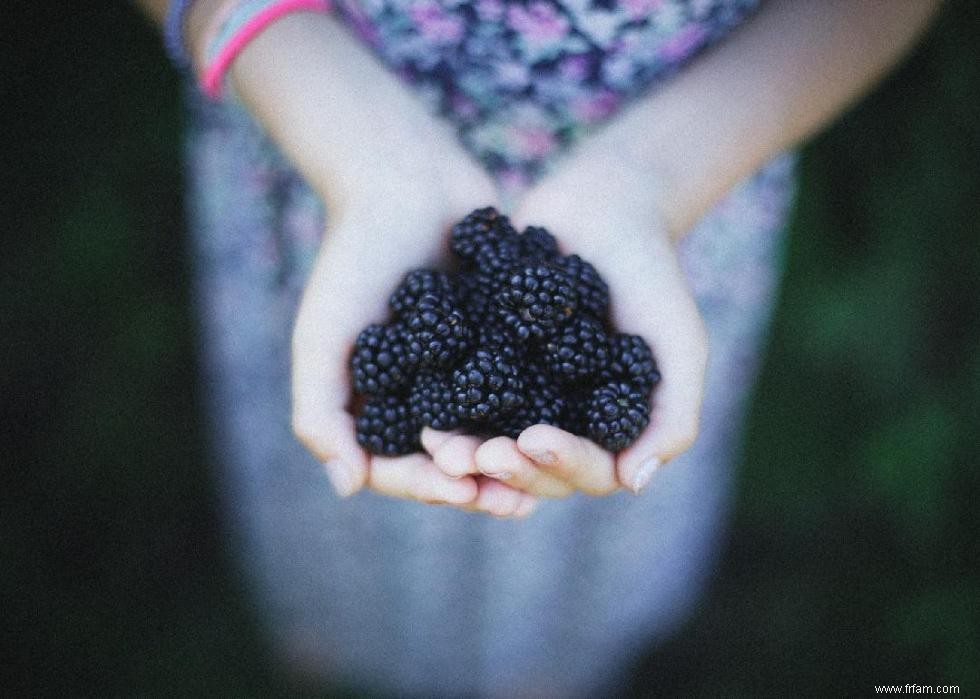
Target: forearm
775 81
327 102
330 104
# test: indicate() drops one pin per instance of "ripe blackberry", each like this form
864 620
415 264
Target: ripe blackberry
386 427
537 244
481 234
574 413
476 291
415 285
592 289
437 331
382 361
535 299
430 401
543 403
631 360
617 413
578 351
486 386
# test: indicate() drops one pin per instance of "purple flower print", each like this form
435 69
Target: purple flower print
637 9
591 109
434 23
683 43
539 24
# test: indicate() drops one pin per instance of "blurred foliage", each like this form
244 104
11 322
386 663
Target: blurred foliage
852 559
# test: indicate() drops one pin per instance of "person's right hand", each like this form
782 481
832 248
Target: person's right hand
394 185
395 220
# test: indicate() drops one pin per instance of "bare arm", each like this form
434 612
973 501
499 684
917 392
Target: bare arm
626 194
778 79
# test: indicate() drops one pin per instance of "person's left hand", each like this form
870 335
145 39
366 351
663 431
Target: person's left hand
600 207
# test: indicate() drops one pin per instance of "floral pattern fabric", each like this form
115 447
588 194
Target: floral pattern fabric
523 80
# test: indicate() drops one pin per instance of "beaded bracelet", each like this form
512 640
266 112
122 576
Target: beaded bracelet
234 25
173 33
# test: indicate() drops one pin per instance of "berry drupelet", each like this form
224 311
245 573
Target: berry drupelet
592 289
578 351
436 331
415 285
486 386
430 401
537 244
631 360
382 361
486 240
385 426
534 300
617 412
543 403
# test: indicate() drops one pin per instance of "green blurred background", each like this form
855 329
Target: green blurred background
853 560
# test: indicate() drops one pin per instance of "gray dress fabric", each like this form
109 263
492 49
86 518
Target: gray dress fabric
412 600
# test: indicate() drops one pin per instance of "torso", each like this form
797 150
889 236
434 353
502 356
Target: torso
523 80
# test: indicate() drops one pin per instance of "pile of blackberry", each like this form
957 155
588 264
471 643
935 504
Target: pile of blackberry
517 335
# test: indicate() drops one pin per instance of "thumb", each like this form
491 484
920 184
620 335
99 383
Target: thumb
321 391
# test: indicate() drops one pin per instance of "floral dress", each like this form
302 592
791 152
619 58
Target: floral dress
405 599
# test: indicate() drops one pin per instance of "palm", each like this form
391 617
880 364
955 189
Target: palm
366 253
610 221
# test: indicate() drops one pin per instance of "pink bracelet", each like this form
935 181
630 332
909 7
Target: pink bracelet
234 25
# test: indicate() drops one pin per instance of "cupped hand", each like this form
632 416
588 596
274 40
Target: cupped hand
601 207
384 225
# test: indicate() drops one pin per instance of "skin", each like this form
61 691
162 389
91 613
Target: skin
394 179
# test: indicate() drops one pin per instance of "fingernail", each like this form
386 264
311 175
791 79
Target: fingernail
340 478
502 476
643 476
546 457
526 509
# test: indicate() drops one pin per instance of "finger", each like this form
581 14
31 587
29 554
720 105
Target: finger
433 439
673 430
415 477
455 456
322 424
321 344
500 500
528 505
676 334
499 458
577 461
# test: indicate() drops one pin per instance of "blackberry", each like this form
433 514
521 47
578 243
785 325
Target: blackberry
592 289
430 401
386 427
415 285
534 300
578 351
482 235
543 404
382 361
537 244
574 413
631 360
437 331
476 293
617 412
486 386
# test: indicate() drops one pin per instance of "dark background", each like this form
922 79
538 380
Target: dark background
853 558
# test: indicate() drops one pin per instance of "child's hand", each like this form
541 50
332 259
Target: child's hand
397 222
602 208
